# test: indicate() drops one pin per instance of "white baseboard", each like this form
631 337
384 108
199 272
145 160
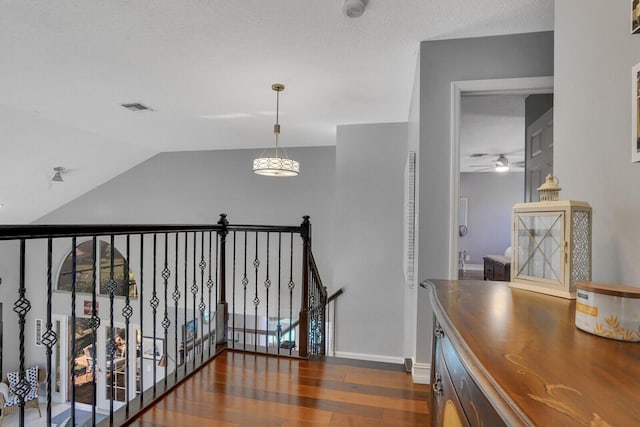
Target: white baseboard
370 357
421 372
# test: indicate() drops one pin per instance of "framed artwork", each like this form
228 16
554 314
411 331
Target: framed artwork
152 349
635 111
39 332
190 331
635 17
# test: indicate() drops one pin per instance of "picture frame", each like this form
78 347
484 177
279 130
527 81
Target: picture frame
152 350
190 331
635 112
635 17
38 332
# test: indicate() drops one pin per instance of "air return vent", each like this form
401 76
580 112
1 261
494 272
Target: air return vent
136 107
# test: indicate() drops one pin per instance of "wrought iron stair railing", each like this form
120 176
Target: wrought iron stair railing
135 309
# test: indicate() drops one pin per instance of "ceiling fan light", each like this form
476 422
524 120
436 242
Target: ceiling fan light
502 164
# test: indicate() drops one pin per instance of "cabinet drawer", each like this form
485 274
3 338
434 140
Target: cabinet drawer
475 405
447 410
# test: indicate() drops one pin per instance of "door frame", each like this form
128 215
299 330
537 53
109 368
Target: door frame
514 86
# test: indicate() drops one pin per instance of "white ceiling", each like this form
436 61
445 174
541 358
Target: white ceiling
205 67
491 125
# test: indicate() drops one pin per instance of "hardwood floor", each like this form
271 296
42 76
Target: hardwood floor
238 389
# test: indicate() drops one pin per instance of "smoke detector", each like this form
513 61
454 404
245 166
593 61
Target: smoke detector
354 8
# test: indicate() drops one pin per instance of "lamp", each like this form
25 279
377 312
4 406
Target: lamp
276 166
502 164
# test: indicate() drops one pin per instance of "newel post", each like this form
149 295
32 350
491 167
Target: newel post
305 233
222 309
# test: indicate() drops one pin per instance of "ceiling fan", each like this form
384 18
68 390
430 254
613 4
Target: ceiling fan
500 164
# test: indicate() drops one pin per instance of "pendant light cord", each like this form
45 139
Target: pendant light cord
276 128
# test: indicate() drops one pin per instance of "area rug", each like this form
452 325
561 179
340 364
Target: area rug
83 418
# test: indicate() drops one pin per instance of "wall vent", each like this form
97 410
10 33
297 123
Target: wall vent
136 106
410 225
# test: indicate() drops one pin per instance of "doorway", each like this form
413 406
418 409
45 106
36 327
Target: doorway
518 86
90 361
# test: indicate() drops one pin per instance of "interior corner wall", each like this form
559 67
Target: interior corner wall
593 128
490 199
370 164
413 144
443 62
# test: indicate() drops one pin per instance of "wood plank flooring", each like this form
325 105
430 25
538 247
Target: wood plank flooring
238 389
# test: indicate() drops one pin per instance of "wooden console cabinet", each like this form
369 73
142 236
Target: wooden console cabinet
504 356
497 268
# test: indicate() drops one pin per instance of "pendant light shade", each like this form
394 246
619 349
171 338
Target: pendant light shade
276 165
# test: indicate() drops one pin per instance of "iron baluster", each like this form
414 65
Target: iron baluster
194 292
256 300
166 273
245 281
267 285
176 299
202 266
73 328
49 338
210 285
112 286
127 312
95 324
186 293
233 297
141 316
21 307
155 302
291 285
279 331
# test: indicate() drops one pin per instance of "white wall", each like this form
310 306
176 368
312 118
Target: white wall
370 162
592 128
442 62
491 197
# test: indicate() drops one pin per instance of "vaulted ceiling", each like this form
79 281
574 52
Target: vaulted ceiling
205 68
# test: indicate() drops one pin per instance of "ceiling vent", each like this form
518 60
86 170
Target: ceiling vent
136 107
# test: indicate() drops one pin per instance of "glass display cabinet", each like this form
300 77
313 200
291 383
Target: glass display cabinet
551 243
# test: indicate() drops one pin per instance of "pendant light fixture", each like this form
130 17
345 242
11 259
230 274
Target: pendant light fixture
276 165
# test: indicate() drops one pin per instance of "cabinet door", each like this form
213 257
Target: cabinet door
447 411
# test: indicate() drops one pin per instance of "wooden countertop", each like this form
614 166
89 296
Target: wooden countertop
526 354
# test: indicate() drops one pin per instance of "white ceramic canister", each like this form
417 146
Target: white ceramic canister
608 310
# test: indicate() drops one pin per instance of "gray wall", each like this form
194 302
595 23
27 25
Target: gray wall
592 128
370 162
491 197
195 187
442 62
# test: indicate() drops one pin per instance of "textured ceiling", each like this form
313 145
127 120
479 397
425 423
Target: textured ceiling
206 69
